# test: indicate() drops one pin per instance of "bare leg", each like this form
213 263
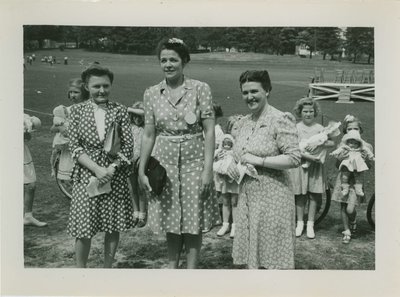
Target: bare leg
82 249
110 248
192 247
314 198
234 201
300 205
344 178
175 244
29 195
226 213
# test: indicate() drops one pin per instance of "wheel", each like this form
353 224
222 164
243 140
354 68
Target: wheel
371 211
322 207
65 186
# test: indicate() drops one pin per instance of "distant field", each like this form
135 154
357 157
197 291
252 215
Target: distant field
45 87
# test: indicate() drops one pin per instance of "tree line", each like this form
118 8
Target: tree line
358 42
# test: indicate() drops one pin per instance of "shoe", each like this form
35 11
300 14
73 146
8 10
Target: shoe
232 234
142 220
358 189
299 228
345 189
346 236
353 226
310 230
224 229
31 221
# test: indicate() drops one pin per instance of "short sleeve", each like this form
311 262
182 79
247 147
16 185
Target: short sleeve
73 133
205 102
287 138
148 107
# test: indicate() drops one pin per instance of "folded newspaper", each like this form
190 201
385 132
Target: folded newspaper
94 188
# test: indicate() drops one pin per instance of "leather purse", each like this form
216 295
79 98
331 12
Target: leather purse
112 141
156 174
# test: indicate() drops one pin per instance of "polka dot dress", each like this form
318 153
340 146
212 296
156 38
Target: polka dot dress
108 212
265 225
180 209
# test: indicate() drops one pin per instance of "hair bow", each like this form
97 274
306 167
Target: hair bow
175 40
349 118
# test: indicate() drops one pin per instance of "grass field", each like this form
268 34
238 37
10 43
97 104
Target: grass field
45 87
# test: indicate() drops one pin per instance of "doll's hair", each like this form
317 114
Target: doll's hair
260 76
78 83
306 101
175 44
348 119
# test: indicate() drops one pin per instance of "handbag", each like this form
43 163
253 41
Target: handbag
112 141
156 174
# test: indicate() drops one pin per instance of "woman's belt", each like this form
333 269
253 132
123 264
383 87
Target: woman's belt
180 138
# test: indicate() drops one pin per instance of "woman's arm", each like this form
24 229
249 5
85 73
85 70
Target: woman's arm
148 140
209 148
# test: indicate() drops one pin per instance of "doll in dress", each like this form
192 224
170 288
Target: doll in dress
317 142
354 164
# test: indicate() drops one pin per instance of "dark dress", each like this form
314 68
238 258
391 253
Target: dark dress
108 212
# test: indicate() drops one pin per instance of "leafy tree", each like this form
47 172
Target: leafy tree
359 41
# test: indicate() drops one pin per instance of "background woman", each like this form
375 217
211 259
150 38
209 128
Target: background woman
179 111
111 212
76 94
266 138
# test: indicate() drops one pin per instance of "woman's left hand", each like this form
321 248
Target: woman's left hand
248 158
206 184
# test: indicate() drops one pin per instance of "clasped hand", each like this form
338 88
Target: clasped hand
105 174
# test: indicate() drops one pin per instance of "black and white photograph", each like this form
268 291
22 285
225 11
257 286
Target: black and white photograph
233 151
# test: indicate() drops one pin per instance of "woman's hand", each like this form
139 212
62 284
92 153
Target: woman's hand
206 183
233 172
311 147
248 158
104 174
344 154
144 184
221 154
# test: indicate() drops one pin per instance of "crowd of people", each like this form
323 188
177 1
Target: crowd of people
253 177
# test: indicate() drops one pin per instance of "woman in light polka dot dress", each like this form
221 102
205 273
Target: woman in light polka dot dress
266 138
179 112
111 212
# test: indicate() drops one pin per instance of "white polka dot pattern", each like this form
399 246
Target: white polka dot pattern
109 212
180 209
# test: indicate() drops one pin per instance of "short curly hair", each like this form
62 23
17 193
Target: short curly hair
348 119
218 110
96 70
306 101
176 45
260 76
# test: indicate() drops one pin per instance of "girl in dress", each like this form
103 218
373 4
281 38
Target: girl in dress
226 186
31 123
139 200
354 165
350 200
76 94
308 181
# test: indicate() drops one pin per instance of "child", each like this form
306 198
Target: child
227 188
139 202
76 94
354 164
351 199
30 125
308 181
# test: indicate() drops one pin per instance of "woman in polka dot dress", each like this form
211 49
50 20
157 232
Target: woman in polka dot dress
266 138
111 212
179 112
